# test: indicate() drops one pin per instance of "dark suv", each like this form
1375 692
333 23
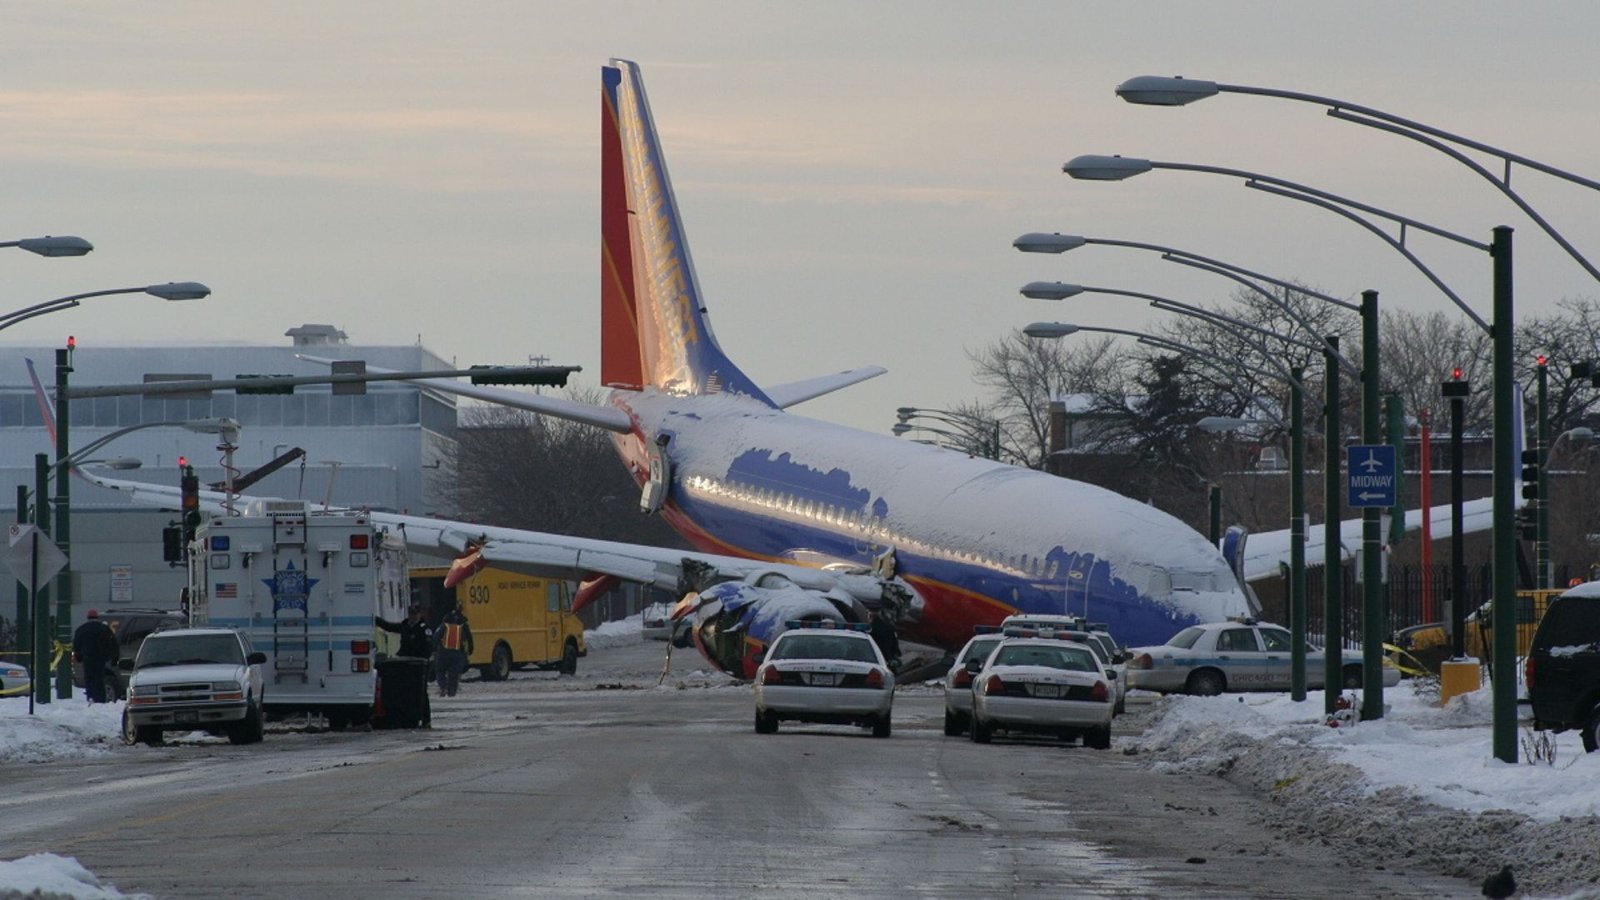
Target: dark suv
131 626
1563 667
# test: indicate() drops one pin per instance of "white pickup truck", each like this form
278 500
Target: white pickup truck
194 679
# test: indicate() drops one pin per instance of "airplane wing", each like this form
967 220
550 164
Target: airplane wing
1268 552
539 553
607 417
787 395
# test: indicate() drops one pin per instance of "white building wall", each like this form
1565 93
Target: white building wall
380 451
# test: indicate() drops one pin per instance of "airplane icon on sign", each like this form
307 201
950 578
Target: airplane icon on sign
1372 463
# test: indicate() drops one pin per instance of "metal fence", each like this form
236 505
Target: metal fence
1404 602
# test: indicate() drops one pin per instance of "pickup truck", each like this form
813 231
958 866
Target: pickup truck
194 679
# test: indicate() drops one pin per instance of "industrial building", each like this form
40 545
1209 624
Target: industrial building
384 449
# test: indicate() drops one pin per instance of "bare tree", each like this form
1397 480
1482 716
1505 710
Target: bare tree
1417 351
1024 374
520 470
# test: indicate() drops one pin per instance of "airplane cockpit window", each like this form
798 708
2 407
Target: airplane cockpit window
1160 582
1192 581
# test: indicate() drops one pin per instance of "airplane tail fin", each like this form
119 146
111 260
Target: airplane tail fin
47 410
653 323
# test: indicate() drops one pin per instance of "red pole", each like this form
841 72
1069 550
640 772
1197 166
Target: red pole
1429 608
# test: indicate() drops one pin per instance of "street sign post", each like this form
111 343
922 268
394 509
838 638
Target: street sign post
26 541
1373 475
34 559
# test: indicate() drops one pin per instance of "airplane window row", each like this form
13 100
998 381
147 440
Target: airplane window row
875 530
866 526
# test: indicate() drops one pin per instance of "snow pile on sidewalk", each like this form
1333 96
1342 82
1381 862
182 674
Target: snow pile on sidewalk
61 729
49 875
1417 788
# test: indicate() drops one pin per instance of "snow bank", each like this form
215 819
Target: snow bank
1418 788
60 729
49 875
612 634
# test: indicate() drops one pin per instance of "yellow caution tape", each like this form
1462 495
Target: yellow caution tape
1406 663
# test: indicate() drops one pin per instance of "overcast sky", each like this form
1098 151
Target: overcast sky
851 174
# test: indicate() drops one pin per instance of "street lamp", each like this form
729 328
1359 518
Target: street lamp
60 474
174 290
1157 90
1112 168
1178 91
1058 290
1042 242
988 442
50 245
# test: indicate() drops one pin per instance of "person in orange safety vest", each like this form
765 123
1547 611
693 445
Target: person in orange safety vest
453 638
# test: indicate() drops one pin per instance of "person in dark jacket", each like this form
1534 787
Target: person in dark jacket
454 640
94 645
888 641
416 635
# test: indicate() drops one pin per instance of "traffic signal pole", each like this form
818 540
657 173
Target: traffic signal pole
63 532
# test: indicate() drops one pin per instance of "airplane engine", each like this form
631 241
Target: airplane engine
735 621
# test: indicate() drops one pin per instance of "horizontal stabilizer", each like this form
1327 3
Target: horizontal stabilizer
787 395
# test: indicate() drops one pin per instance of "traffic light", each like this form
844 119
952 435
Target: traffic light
1528 523
263 389
1456 386
172 544
1530 474
189 484
542 376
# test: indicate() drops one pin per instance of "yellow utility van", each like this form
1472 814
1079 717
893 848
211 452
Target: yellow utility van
517 620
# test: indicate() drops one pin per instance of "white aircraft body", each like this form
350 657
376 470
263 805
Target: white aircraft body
796 518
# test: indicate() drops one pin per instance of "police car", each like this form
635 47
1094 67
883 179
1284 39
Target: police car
1042 685
1240 654
824 672
1093 635
958 681
14 680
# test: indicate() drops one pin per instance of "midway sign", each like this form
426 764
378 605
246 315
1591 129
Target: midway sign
1373 475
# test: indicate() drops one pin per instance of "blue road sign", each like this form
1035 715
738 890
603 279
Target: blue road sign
1373 479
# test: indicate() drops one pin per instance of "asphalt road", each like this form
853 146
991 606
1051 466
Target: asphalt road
605 784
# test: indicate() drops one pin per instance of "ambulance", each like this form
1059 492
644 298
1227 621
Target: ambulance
306 587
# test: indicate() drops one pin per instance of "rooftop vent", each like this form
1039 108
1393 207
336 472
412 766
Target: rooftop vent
316 335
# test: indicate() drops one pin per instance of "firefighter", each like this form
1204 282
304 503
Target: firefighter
454 640
94 645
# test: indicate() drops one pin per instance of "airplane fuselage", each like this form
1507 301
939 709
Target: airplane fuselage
978 539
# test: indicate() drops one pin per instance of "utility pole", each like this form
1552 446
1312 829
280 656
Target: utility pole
63 532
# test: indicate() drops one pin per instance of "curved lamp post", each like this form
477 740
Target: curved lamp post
172 290
1157 90
51 245
1042 242
1058 290
1161 91
969 425
1116 168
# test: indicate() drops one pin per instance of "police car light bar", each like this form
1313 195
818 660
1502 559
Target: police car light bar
827 624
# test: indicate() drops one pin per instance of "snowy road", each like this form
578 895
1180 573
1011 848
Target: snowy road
606 785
